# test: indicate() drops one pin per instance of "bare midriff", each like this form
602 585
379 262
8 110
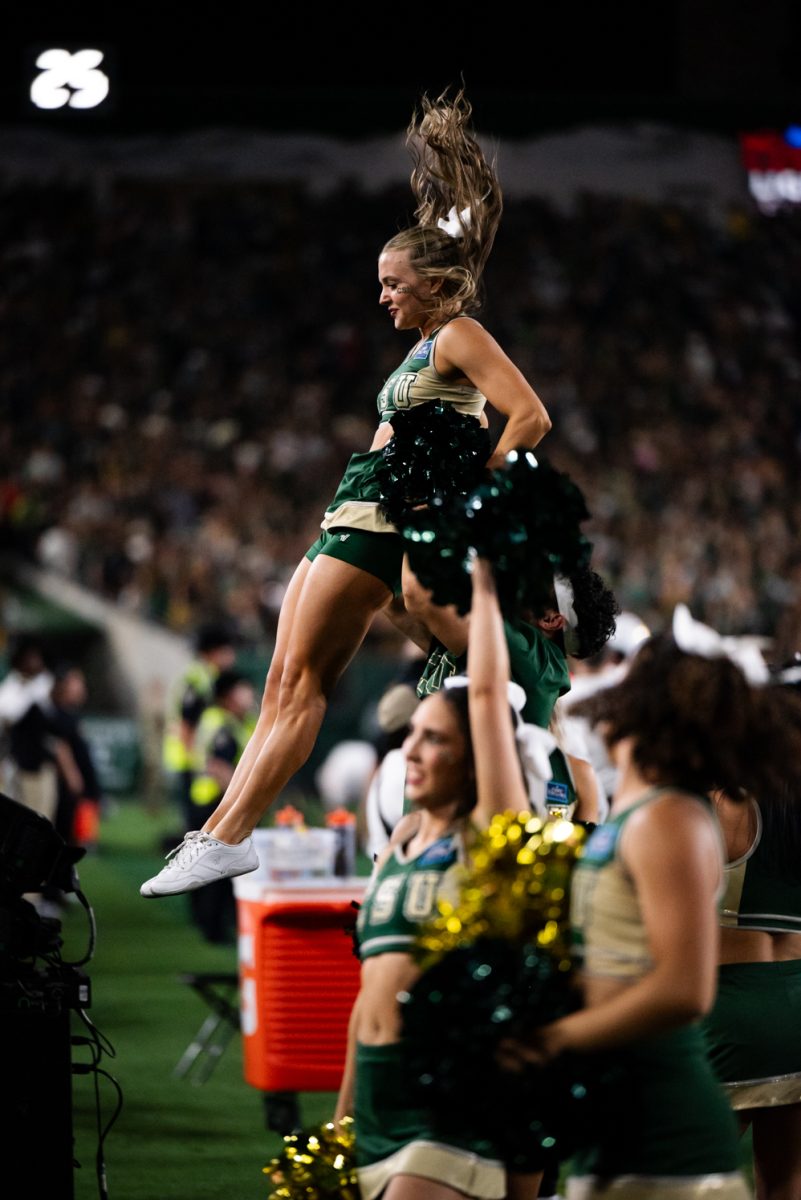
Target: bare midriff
378 1019
599 988
757 946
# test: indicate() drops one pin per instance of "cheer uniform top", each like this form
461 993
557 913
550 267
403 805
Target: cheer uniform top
669 1132
396 1133
416 381
752 1034
539 666
402 894
757 896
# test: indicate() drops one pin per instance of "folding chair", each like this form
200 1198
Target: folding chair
221 994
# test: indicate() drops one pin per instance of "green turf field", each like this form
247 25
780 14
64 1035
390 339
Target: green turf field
173 1139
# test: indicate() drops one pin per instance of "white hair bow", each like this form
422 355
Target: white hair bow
693 637
456 223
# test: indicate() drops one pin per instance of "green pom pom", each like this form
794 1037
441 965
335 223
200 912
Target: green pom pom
496 964
525 518
435 452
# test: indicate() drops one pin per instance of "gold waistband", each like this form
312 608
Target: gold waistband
765 1093
728 1186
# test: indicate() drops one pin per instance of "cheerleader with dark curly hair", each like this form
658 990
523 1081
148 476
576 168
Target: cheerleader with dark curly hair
430 278
579 620
644 906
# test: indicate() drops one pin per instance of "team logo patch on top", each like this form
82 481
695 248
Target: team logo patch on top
422 351
556 795
442 851
601 846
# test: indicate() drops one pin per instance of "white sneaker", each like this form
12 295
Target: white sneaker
201 859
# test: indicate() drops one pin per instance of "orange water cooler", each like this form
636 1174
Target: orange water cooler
298 979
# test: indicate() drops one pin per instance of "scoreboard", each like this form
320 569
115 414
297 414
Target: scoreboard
772 160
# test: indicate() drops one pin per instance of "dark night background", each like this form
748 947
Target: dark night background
349 69
170 263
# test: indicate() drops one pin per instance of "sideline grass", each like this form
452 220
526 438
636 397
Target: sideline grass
173 1139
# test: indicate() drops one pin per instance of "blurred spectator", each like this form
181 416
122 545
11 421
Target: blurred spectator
190 695
197 393
36 754
344 774
342 781
384 798
78 812
605 669
29 681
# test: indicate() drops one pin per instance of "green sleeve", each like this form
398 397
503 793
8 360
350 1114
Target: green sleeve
540 667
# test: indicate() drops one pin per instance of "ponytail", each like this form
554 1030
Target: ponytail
455 190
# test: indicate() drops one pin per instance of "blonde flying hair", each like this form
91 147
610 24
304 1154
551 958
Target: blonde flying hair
450 172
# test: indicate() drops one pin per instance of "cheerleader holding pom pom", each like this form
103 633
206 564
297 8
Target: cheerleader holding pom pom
644 905
463 770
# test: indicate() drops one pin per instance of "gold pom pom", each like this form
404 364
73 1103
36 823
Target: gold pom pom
319 1164
516 887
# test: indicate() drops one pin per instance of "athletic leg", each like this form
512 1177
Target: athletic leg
335 609
269 702
523 1187
415 1187
776 1134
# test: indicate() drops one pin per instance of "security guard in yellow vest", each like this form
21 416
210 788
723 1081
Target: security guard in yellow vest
221 735
190 694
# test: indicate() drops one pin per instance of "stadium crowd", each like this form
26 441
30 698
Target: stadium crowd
187 367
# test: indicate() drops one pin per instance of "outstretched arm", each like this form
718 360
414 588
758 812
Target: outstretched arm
68 767
499 776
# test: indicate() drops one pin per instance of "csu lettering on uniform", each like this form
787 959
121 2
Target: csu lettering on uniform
419 899
397 392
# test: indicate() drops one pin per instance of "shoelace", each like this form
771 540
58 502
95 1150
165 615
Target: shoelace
190 847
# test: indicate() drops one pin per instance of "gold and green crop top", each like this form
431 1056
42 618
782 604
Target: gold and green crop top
356 504
609 934
417 381
757 892
402 894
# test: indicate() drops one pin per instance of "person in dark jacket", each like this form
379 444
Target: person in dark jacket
68 698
